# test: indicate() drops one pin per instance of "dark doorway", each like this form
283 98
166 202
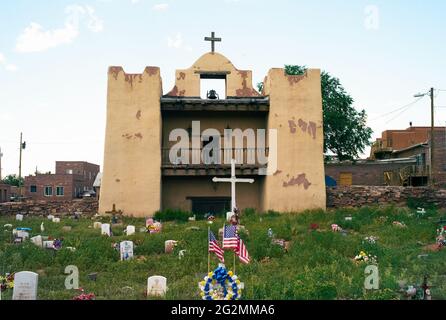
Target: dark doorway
215 206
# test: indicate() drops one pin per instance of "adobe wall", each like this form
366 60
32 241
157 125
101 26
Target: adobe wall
296 113
132 155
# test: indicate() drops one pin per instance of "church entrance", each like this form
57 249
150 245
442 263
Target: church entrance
213 205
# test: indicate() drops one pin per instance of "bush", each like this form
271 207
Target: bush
173 215
414 203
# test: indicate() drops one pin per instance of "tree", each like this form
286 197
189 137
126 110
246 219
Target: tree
13 180
345 129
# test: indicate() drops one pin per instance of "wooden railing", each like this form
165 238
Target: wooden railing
196 157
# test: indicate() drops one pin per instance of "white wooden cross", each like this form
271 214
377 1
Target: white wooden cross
233 180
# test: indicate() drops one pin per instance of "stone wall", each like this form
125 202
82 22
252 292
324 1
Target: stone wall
59 208
357 196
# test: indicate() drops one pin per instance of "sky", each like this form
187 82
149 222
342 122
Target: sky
54 57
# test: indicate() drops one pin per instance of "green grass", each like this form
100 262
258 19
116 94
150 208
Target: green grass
318 265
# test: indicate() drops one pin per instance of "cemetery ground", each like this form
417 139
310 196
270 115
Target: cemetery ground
319 263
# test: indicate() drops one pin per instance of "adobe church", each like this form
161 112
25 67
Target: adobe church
140 177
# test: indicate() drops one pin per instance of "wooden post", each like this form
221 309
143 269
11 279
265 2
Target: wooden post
209 254
234 262
20 166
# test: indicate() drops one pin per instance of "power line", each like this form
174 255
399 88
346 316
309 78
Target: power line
398 109
404 110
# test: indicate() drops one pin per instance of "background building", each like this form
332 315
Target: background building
398 158
71 180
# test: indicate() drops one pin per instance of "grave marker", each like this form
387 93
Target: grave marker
25 286
130 230
169 246
97 225
126 250
105 229
38 241
156 286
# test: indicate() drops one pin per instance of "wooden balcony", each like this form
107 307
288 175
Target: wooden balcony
178 104
198 165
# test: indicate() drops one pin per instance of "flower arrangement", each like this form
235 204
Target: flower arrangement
370 240
336 228
155 227
6 282
314 226
364 257
220 284
83 296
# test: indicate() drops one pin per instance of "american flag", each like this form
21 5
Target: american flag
242 252
230 237
214 247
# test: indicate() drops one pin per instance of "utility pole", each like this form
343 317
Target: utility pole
431 173
432 144
22 146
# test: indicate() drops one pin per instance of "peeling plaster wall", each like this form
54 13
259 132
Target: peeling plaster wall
132 155
238 82
296 113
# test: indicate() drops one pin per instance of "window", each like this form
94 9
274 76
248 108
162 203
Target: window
59 191
48 192
346 179
69 171
219 85
33 189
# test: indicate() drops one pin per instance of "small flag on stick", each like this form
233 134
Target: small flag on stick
242 252
214 247
230 237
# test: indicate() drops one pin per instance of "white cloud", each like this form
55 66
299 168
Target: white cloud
6 65
11 67
35 38
160 7
177 42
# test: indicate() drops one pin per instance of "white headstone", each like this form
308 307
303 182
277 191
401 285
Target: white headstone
23 234
97 225
156 286
50 217
19 217
126 250
130 230
38 241
105 229
56 220
25 286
